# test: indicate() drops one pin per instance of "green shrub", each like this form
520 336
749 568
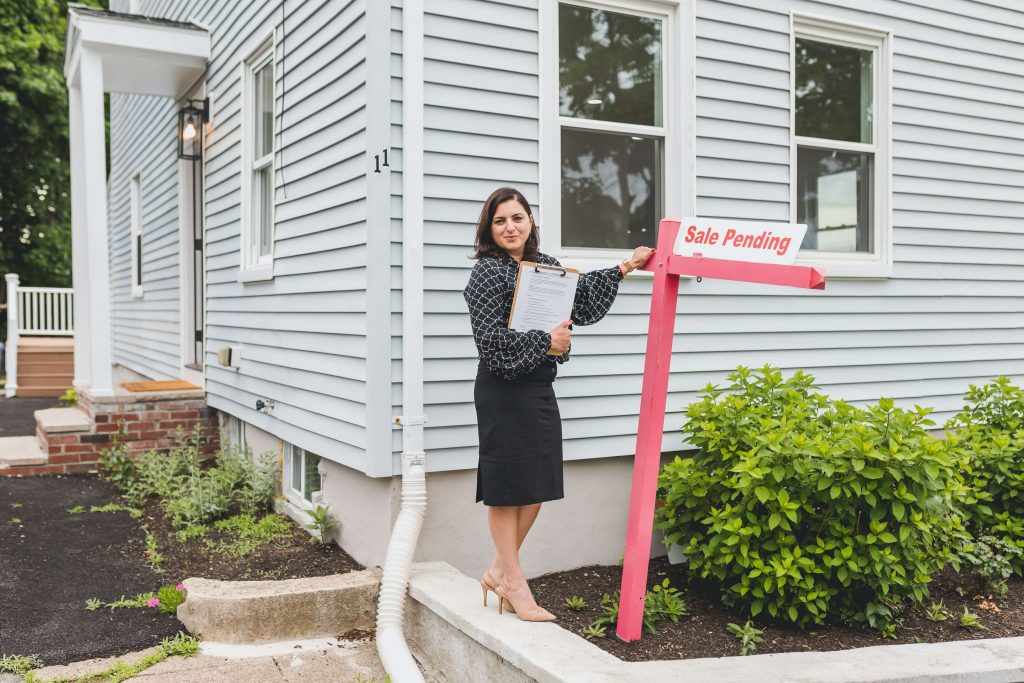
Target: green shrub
806 508
252 479
990 429
170 597
114 465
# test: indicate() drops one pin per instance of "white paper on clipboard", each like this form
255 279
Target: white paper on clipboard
543 298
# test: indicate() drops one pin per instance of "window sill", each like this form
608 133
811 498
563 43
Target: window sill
261 273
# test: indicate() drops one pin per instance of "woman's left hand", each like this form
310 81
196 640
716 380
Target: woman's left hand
640 257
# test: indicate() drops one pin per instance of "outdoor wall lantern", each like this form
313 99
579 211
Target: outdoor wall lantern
191 118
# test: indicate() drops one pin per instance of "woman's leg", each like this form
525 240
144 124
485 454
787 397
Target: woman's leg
504 524
525 517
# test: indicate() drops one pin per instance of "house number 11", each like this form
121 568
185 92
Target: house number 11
376 161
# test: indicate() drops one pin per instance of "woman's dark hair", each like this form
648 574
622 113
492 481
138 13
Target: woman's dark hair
485 245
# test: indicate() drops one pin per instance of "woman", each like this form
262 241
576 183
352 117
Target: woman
517 416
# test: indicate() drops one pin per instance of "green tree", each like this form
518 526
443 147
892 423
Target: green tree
35 206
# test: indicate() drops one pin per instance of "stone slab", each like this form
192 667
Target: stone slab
20 450
308 662
266 611
449 624
59 420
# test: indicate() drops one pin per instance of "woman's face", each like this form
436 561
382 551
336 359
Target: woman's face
511 227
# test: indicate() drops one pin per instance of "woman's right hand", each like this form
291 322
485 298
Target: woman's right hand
561 337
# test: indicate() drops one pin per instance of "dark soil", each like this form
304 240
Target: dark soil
703 633
297 556
52 561
17 415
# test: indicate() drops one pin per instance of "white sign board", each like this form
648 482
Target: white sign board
740 241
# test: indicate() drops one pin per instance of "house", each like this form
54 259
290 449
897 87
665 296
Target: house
293 189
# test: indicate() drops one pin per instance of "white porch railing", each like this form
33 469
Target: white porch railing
34 311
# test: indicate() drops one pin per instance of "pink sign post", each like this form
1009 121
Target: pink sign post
667 268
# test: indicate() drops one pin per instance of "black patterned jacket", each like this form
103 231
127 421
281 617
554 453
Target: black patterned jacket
507 353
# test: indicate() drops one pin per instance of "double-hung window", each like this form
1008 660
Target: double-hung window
840 147
258 164
613 136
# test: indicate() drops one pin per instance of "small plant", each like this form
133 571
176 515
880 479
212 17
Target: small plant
749 636
992 560
887 630
936 611
575 603
322 522
153 555
247 534
115 507
114 464
661 602
170 597
192 531
182 644
19 664
15 520
970 620
76 510
69 399
595 631
93 604
17 506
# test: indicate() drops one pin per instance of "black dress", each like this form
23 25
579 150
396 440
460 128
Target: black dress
517 415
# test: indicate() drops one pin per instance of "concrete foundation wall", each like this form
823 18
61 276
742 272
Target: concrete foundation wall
588 526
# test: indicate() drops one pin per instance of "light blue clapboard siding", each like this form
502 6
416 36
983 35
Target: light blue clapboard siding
304 335
952 314
146 330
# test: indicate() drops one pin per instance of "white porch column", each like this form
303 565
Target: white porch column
94 202
79 238
11 345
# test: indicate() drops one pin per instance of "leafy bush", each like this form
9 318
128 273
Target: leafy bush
252 479
804 507
990 429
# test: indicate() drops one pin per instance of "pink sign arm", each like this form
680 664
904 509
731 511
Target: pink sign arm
653 396
747 271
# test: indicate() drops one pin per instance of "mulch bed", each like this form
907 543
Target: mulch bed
703 632
52 561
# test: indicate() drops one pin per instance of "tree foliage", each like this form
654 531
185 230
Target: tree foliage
35 207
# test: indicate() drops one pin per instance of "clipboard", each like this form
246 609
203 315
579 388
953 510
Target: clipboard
540 300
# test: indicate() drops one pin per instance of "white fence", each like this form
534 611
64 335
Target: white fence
34 311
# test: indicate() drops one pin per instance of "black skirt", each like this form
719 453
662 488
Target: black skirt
520 438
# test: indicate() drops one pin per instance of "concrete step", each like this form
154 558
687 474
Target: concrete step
267 611
17 451
63 420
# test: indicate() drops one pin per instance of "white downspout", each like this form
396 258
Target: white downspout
391 645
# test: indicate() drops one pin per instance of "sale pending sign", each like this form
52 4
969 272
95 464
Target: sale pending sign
740 241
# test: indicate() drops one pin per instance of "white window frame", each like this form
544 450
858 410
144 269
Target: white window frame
236 431
296 496
878 41
677 131
135 232
260 268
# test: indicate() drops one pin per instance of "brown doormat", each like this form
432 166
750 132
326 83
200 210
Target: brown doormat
161 385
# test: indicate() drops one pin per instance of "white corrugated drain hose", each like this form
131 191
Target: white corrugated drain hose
391 646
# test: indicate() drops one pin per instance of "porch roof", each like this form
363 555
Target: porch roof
140 55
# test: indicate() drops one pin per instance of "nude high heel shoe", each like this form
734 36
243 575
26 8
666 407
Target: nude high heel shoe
487 585
538 613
